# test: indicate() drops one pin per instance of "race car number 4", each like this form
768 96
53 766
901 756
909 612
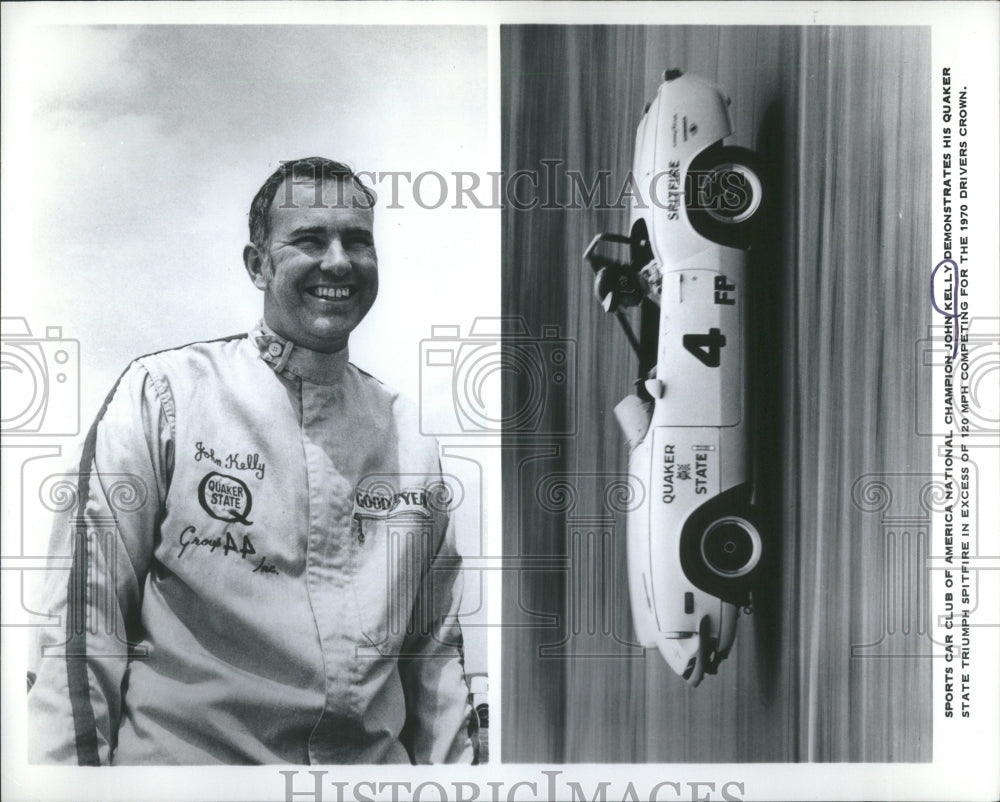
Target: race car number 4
707 348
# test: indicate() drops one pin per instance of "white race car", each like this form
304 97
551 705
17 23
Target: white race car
694 545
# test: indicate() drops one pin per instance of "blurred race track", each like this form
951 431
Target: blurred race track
832 665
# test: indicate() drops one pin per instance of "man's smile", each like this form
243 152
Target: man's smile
331 293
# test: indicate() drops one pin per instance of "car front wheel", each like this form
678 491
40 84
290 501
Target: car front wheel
722 546
731 548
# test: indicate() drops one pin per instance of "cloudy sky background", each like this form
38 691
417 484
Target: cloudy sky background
131 154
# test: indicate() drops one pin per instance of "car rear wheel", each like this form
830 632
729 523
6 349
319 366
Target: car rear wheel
725 195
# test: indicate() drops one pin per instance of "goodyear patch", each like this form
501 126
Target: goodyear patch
384 503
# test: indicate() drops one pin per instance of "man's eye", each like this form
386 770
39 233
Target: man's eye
308 242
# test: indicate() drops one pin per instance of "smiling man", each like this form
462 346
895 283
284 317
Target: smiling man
312 252
261 563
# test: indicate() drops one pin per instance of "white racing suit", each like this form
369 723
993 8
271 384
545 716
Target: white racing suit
260 568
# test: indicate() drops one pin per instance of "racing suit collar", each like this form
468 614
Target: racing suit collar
296 361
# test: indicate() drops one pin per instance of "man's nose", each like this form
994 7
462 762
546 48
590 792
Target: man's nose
335 259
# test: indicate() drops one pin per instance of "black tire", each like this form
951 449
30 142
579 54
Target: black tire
731 548
725 195
723 547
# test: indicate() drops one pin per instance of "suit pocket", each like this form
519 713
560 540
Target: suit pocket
391 557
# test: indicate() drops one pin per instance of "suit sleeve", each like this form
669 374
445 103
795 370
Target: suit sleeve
100 552
441 726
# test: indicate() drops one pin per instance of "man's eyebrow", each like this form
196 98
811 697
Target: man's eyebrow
307 230
358 230
300 230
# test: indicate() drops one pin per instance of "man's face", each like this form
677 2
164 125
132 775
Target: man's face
318 271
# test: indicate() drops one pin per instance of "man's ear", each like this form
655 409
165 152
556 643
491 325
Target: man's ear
253 261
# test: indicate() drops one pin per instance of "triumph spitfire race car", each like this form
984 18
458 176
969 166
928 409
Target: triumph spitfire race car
694 544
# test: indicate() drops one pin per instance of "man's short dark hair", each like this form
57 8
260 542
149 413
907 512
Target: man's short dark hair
312 168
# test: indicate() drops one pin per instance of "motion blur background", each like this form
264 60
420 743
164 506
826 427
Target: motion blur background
833 664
